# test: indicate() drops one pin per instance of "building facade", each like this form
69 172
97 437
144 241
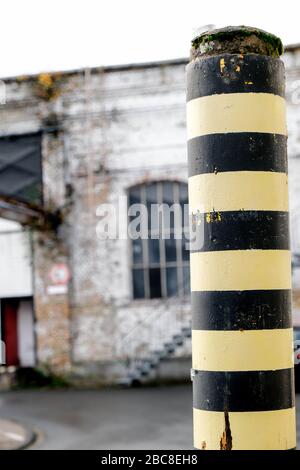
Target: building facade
106 309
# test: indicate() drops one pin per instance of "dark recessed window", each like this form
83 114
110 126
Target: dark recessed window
21 168
160 263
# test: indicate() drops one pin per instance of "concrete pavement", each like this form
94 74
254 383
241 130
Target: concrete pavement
141 418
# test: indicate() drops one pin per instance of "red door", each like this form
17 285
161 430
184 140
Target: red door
10 335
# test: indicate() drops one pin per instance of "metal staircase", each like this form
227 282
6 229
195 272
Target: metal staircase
166 333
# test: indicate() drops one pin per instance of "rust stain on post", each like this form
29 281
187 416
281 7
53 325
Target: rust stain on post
226 439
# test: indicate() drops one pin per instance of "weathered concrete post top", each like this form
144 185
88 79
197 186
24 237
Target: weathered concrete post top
243 383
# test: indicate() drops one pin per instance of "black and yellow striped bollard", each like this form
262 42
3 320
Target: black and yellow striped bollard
243 383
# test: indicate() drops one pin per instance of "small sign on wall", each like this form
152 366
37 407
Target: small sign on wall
56 290
59 275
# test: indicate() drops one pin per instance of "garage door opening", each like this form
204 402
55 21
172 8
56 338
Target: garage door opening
17 332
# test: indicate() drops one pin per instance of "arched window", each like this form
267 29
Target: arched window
160 263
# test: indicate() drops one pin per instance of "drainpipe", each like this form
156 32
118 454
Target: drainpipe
243 371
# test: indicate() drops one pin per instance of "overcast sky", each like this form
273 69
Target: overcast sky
39 35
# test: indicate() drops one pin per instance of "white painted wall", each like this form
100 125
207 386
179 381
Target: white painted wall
25 326
15 261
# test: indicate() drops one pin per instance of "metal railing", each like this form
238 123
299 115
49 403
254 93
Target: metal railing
156 328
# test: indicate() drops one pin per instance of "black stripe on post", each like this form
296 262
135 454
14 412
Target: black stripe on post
241 151
240 230
233 73
243 391
241 310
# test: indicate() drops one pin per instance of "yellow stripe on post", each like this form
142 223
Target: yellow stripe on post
247 350
238 190
240 270
256 430
236 112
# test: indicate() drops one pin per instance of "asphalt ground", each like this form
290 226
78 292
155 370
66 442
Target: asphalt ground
140 418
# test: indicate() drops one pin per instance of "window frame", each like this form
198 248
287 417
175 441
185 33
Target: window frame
145 265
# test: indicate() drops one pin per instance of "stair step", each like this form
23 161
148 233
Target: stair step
159 354
185 329
125 382
178 340
152 363
170 347
145 367
186 332
134 376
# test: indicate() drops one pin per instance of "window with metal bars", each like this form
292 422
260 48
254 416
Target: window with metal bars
160 264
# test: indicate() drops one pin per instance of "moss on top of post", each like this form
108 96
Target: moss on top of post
236 40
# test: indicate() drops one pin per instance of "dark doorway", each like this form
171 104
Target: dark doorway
9 309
